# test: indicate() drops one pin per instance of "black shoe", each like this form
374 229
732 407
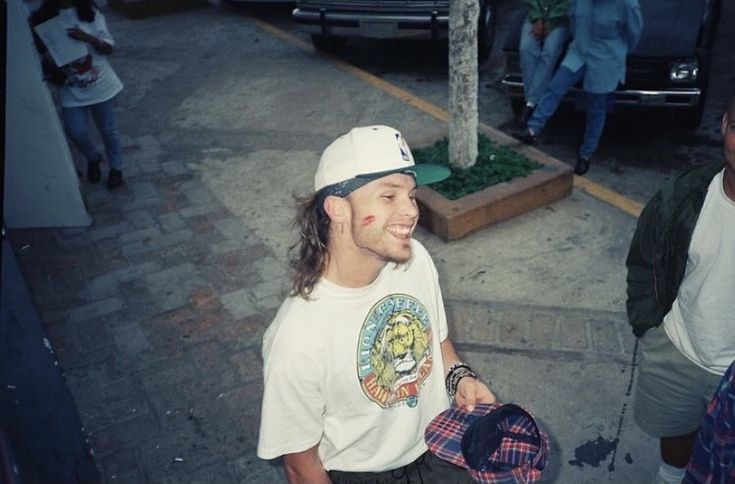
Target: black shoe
528 137
93 170
114 179
583 164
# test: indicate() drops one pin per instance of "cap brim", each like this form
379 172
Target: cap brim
427 173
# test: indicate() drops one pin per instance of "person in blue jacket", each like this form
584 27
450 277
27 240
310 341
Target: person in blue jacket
604 32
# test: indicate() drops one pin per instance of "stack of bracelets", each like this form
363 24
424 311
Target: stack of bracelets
456 372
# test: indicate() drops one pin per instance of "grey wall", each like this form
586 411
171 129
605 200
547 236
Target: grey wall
41 185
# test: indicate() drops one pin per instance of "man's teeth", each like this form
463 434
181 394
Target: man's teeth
399 230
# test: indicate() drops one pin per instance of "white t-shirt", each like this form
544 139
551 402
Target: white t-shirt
701 322
357 371
91 79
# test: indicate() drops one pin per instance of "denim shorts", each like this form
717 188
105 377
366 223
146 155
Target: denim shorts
671 393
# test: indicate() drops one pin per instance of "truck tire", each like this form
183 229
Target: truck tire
517 104
688 119
485 30
327 43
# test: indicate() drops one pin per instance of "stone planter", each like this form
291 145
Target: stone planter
453 219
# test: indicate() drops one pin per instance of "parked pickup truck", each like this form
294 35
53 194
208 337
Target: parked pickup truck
669 69
332 21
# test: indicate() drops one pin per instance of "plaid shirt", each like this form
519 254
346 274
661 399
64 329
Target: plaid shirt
713 459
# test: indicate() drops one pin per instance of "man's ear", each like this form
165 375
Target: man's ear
337 209
725 122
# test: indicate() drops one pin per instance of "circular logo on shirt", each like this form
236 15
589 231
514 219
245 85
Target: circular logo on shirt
394 354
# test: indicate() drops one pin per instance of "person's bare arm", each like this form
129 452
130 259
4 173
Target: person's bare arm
470 391
97 44
305 468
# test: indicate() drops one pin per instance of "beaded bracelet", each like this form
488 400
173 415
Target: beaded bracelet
456 372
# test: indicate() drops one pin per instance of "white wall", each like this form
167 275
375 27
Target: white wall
41 184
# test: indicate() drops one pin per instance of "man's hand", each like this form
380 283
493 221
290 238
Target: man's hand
472 391
539 29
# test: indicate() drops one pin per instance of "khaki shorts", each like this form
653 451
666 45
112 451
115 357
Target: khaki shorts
672 393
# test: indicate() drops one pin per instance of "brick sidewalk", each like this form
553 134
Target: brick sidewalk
156 314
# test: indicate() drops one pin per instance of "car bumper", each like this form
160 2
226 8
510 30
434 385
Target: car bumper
372 25
674 98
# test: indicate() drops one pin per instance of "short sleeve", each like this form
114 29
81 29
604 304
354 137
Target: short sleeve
99 25
438 302
293 405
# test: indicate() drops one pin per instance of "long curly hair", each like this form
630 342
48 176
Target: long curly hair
309 254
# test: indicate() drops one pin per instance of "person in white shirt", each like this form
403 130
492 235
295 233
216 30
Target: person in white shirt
681 283
358 360
87 85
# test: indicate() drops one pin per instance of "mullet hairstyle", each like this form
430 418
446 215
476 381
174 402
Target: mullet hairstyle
309 254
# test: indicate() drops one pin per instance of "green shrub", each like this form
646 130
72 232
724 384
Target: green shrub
495 164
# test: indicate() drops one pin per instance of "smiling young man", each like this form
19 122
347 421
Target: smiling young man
681 282
358 359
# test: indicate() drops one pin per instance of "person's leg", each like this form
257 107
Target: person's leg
545 63
530 52
76 125
77 129
104 117
561 82
676 450
669 401
595 115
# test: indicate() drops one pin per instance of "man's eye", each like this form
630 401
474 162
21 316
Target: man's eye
389 197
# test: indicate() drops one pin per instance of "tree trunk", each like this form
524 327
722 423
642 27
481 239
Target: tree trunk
463 118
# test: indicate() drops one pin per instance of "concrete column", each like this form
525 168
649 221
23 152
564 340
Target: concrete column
463 117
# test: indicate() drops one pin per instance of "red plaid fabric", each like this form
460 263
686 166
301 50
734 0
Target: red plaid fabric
515 461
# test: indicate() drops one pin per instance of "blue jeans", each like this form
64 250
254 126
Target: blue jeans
76 124
595 108
539 58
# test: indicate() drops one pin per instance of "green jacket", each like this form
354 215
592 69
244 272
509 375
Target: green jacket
658 253
553 12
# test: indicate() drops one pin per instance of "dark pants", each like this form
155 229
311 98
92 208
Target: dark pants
427 469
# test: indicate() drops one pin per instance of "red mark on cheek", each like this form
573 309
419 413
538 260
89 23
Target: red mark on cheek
368 220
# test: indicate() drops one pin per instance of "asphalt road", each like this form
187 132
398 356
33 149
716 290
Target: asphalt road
640 149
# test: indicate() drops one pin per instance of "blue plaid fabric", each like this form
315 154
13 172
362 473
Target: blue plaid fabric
520 457
713 458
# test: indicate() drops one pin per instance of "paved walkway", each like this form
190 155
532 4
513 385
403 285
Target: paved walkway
157 310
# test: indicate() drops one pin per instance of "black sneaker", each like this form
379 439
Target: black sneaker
114 179
583 164
93 170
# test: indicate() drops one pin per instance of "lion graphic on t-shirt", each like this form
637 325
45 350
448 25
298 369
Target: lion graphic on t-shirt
401 344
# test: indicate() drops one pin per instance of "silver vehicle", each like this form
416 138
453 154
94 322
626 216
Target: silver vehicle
332 21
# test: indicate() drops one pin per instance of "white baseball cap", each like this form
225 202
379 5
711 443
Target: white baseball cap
366 153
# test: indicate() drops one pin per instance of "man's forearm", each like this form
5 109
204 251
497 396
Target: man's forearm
449 355
305 468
